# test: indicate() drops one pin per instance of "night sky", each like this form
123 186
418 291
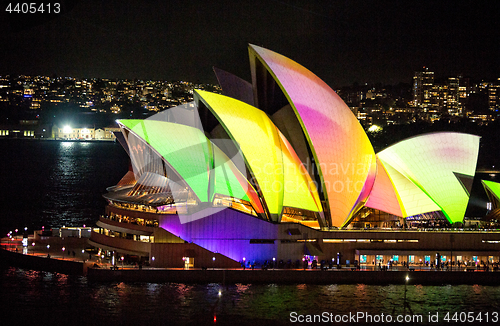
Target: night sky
341 41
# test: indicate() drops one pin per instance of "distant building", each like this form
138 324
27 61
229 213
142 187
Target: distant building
422 87
84 133
109 132
23 129
16 132
68 132
106 133
452 96
494 96
464 89
435 98
99 134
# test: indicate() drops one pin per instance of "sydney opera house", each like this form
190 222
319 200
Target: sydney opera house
279 169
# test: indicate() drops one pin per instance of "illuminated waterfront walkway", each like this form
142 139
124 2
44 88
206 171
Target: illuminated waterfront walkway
97 269
78 250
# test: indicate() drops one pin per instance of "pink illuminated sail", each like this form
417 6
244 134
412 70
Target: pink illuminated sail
341 149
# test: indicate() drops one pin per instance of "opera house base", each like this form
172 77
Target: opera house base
228 238
233 276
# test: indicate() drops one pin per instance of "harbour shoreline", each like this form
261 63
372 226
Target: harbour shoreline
248 276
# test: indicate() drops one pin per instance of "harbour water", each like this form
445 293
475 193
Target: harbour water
51 184
57 299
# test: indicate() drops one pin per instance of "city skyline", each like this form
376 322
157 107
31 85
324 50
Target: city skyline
343 43
439 77
36 97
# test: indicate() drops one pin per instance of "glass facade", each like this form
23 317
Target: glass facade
132 220
128 236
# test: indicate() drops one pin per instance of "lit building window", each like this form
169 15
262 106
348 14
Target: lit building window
362 259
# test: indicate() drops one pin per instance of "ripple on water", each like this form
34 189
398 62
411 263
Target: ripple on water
42 294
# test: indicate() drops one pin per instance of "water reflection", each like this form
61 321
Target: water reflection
153 288
477 289
54 297
57 183
66 144
241 288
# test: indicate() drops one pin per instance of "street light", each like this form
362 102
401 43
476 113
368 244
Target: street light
48 254
213 262
63 249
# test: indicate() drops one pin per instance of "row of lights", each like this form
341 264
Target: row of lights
25 229
63 249
16 230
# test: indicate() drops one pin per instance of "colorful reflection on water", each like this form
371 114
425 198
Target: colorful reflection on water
54 298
